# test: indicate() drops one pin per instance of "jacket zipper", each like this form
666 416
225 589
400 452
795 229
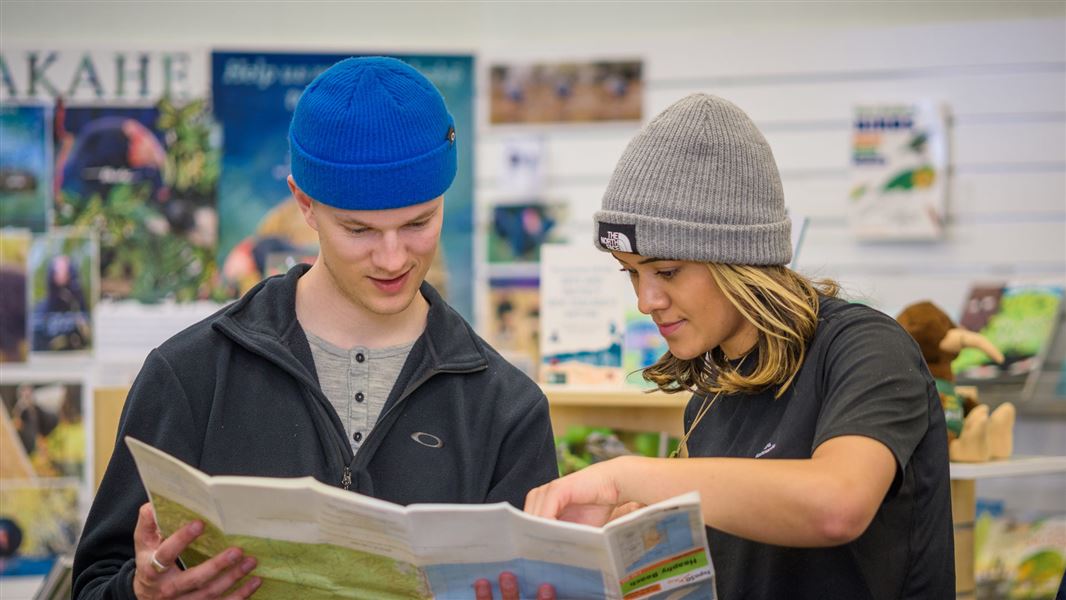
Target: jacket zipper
346 472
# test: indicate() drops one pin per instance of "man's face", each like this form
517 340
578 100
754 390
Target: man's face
376 258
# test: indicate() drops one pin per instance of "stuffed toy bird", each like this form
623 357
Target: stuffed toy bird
974 434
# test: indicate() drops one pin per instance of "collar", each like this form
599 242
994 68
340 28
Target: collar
264 321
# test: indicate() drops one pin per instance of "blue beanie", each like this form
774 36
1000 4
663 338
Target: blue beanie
372 133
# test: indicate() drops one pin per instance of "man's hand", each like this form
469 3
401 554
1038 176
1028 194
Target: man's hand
509 589
158 577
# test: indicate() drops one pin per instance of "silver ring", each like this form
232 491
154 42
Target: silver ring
158 566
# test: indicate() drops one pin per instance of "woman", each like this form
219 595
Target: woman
814 434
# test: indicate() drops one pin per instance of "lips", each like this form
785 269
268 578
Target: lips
390 286
665 329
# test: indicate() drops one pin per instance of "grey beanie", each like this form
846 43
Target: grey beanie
699 182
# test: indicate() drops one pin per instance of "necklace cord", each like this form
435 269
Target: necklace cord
682 445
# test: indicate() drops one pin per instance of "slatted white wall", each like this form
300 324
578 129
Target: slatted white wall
1005 83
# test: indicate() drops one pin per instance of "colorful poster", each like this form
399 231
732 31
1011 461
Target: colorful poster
43 431
254 95
25 166
900 168
279 263
1019 557
519 230
14 253
62 269
1018 319
644 345
39 522
582 316
43 451
135 158
514 321
567 92
145 178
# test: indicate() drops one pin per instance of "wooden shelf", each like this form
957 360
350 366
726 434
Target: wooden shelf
569 395
629 409
1012 467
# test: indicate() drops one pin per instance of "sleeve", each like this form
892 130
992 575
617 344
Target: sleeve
157 412
875 384
527 457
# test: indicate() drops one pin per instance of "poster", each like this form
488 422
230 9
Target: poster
1019 319
25 165
62 285
583 301
254 96
520 229
523 166
900 168
135 158
514 321
1019 556
644 345
43 458
43 431
566 92
14 253
39 522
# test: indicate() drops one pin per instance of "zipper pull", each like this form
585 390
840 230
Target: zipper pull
346 478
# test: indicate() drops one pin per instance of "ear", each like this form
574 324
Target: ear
305 202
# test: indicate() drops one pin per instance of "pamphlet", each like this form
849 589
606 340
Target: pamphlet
312 540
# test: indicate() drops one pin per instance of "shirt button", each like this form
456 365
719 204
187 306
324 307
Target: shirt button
357 436
359 396
359 357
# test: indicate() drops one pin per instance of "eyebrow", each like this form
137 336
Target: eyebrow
344 220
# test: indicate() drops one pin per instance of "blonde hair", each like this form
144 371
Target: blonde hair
783 307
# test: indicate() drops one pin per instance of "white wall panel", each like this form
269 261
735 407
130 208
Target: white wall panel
999 90
987 196
977 248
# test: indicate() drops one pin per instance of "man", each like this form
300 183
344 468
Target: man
353 371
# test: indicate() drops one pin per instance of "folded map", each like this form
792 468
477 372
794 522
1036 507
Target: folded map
312 540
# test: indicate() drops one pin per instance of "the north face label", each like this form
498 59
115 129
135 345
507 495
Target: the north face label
619 238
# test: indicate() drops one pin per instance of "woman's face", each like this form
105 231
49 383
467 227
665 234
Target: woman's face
685 302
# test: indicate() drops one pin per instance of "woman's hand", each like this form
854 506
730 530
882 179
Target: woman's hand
590 496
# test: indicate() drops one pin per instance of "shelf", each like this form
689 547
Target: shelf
608 397
627 409
639 410
1012 467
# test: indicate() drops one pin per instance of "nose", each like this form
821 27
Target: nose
650 297
391 255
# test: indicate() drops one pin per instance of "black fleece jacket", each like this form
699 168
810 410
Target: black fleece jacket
237 394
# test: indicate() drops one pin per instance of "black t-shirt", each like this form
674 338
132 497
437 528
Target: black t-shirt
863 375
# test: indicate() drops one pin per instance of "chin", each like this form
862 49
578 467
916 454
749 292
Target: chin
391 306
684 353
